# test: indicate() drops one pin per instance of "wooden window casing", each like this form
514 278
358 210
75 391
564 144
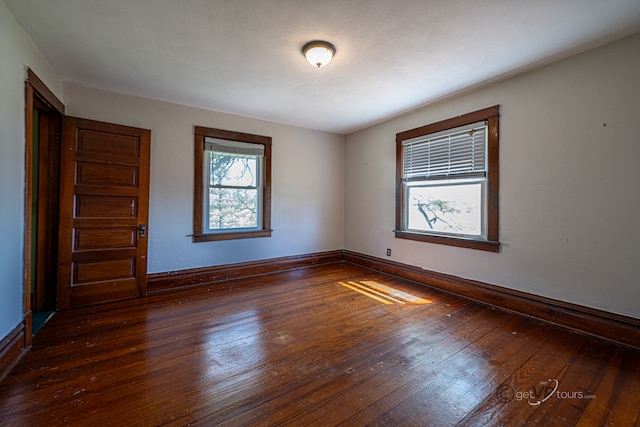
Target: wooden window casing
199 198
491 243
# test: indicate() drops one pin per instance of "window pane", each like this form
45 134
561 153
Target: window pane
233 208
233 169
446 208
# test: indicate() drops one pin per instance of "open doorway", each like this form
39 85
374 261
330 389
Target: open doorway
43 129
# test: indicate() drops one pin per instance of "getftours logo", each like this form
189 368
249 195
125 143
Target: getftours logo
540 393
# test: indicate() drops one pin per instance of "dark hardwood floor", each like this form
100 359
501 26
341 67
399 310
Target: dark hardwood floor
307 347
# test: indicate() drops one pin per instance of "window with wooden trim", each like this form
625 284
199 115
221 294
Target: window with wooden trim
447 181
232 185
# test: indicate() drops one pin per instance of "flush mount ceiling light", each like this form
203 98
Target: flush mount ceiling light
318 52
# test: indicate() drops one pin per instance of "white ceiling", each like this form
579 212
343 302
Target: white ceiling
243 56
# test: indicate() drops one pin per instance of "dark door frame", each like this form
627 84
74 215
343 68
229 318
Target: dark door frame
51 110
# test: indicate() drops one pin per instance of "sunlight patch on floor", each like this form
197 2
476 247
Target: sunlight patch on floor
383 293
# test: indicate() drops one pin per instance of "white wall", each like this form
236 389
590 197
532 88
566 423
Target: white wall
307 211
569 197
17 50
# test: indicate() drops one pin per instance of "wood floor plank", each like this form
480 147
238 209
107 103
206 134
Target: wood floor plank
361 339
443 387
524 386
619 393
298 348
385 349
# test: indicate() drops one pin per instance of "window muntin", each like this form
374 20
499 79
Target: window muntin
447 181
232 192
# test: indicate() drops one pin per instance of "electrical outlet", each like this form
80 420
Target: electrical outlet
388 252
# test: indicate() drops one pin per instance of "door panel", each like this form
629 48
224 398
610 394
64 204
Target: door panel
99 206
97 174
103 201
86 238
93 271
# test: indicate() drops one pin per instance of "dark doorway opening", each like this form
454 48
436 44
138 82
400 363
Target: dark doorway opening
44 114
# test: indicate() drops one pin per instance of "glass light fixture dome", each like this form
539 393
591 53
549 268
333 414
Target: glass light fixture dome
319 53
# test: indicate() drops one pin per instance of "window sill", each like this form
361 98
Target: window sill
232 235
483 245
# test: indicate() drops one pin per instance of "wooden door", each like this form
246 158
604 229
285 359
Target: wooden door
104 202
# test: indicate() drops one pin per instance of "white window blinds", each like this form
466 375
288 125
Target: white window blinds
233 147
454 153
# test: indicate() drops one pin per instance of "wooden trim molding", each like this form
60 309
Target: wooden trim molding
158 283
11 350
491 243
199 219
613 327
37 97
45 93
